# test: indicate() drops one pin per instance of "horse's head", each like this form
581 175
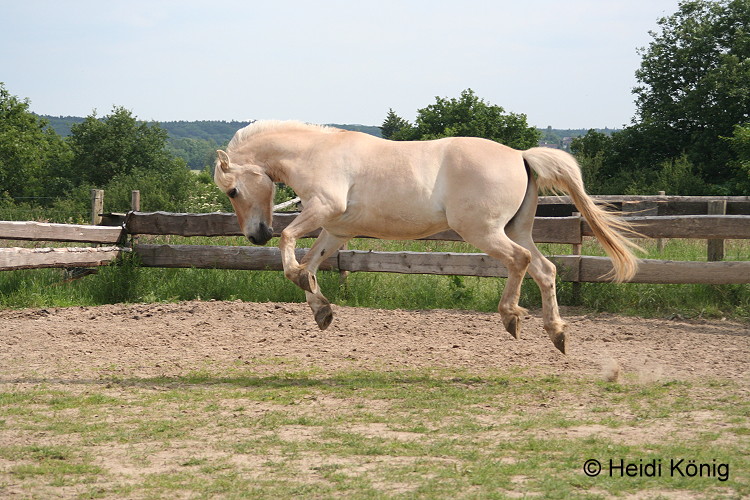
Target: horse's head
251 192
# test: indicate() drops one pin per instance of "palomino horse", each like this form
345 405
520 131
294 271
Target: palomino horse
353 184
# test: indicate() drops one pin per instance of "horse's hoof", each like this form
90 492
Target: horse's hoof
513 326
323 317
559 341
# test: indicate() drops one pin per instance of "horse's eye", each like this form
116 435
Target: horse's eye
232 192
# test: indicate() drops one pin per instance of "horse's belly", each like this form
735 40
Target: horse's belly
386 225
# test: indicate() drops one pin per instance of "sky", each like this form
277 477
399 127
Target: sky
562 63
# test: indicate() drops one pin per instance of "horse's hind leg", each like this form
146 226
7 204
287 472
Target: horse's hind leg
496 244
325 246
543 272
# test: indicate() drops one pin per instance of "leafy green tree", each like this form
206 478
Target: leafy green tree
740 144
471 116
393 124
592 144
118 144
694 82
32 155
119 154
466 116
197 153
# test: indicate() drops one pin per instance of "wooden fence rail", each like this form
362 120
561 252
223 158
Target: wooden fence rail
575 268
554 206
546 229
38 258
568 230
42 231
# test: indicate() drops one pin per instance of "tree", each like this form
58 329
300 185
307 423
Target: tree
117 144
471 116
119 153
740 144
393 124
466 116
31 154
694 82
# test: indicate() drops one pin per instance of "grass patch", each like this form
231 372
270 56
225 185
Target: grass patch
417 434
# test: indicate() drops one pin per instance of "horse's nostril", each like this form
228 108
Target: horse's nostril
265 230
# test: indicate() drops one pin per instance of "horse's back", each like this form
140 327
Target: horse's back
414 189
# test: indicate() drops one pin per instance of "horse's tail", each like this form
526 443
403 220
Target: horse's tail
559 171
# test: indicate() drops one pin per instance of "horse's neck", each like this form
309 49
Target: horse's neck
283 158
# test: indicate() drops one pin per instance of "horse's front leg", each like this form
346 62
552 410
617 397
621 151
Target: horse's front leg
303 274
306 222
325 246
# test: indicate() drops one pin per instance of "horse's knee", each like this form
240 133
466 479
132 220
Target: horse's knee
524 258
519 261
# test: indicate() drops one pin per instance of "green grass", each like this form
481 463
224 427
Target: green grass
411 434
129 283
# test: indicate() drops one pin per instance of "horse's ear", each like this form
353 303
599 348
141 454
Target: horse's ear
223 160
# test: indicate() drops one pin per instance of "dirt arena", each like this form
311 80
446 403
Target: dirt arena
147 340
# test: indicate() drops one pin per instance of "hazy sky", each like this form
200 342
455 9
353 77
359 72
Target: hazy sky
564 63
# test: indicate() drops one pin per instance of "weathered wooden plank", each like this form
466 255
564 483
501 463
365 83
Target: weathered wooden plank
546 229
611 198
42 231
593 269
217 257
166 223
690 226
464 264
212 224
263 258
570 267
640 208
33 258
473 264
557 230
666 205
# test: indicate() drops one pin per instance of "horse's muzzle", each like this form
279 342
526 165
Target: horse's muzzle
261 235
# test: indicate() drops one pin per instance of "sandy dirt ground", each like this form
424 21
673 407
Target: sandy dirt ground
147 340
76 348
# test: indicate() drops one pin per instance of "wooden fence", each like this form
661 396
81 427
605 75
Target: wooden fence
567 230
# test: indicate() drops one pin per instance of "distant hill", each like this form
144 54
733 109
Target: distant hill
196 141
62 124
217 131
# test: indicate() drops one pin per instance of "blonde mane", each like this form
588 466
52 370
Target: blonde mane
262 126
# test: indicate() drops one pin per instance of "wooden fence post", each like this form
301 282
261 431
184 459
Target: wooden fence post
97 206
576 250
715 248
135 200
135 206
660 241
